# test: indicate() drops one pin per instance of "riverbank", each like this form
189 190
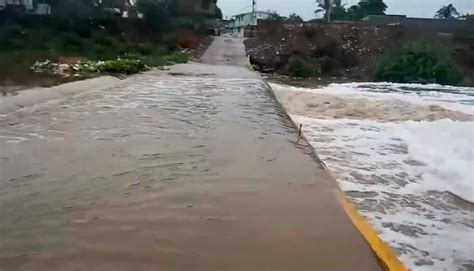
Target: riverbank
386 146
35 96
65 42
354 52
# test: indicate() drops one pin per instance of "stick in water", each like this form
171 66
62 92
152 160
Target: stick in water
300 133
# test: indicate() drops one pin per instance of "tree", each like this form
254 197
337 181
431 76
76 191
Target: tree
219 13
73 8
372 7
120 5
354 13
295 18
447 12
324 6
333 9
155 12
273 15
338 11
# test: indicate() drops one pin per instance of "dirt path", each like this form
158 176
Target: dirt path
189 169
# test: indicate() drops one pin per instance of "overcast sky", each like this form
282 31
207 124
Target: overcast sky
305 8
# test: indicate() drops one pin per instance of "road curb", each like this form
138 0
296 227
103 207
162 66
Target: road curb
382 250
384 253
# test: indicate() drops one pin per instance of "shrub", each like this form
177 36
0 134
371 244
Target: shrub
160 57
126 66
71 38
307 67
418 63
181 56
105 40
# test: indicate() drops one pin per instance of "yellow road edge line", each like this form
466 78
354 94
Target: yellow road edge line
381 249
387 258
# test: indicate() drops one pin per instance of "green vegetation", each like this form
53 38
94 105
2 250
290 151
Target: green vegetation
219 14
307 67
418 63
324 6
96 31
22 43
295 18
447 12
124 66
156 13
133 64
156 60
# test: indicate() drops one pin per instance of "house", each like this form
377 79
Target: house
246 20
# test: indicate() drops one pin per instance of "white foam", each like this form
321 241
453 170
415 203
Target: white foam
367 156
446 148
402 175
459 99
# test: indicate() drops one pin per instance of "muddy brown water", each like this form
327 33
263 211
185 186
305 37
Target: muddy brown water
192 171
16 79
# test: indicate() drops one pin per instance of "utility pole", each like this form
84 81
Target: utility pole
329 14
254 6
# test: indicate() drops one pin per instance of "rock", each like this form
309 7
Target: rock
63 68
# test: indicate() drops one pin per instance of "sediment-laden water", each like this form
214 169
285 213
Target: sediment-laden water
404 154
188 169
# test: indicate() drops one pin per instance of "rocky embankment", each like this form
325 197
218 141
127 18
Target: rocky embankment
347 51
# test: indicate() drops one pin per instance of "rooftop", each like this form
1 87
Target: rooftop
246 13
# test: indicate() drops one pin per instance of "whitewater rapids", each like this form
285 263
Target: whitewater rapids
404 154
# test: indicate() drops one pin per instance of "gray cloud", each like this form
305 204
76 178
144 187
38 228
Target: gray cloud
412 8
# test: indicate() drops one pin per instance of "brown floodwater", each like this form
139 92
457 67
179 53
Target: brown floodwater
190 169
15 77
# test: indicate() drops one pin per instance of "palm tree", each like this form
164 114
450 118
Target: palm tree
324 6
447 12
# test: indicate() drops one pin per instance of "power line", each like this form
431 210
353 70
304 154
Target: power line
242 9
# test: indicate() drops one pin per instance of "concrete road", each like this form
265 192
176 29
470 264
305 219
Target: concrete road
226 51
194 168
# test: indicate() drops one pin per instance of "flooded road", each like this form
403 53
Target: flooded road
189 169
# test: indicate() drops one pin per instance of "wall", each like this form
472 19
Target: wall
244 20
424 25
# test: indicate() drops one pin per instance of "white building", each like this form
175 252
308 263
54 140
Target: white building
240 21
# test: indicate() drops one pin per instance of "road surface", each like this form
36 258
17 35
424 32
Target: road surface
194 168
